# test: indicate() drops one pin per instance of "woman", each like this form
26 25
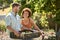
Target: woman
27 21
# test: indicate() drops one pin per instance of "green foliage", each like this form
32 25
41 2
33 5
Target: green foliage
57 18
52 38
40 10
2 26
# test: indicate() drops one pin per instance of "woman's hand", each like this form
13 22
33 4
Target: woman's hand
25 28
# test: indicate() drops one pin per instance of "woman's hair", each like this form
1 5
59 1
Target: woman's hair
28 10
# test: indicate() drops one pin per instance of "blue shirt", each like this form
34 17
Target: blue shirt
13 21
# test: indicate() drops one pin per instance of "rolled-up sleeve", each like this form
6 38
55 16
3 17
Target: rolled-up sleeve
8 21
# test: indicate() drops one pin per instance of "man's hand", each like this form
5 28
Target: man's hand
12 30
16 33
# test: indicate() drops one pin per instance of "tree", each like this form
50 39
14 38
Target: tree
41 9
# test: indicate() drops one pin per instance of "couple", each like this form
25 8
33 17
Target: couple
14 22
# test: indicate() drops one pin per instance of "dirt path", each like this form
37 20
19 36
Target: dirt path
5 11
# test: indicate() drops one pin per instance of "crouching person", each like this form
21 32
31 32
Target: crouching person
13 21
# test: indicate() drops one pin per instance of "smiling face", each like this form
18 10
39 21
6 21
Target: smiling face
26 14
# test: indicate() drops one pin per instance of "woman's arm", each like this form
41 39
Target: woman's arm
23 28
35 26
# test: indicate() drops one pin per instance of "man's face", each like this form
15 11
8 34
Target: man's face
16 9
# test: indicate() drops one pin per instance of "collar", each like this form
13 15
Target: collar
13 13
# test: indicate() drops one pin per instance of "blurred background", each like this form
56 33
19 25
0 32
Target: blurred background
46 14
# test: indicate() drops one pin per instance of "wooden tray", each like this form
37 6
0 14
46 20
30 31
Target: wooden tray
26 35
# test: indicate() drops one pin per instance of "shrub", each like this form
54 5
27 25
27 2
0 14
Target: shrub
2 26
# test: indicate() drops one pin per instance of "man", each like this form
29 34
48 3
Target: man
13 20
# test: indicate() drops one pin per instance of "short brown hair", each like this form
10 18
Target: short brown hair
27 9
15 4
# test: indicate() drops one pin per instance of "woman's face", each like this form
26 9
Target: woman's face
25 14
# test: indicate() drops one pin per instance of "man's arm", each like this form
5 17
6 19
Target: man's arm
8 25
12 30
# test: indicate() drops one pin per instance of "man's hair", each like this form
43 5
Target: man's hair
15 4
